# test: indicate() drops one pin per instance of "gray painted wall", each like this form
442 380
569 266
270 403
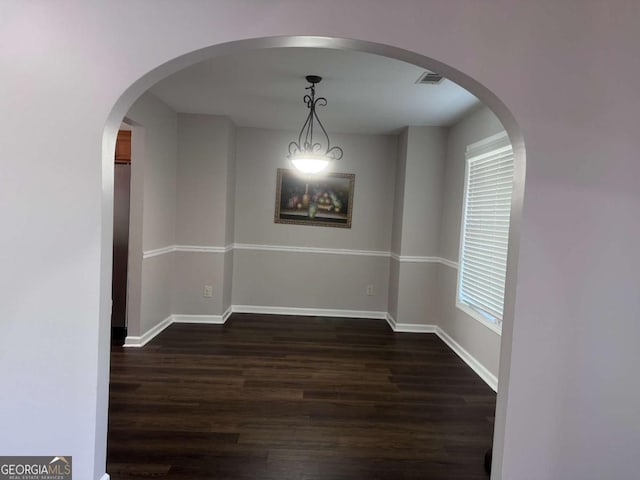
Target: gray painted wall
213 165
306 280
426 149
398 197
396 226
418 294
204 147
230 205
227 281
394 284
205 194
473 336
157 292
371 157
153 212
192 271
303 279
230 219
413 287
159 202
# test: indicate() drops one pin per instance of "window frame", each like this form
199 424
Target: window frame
494 144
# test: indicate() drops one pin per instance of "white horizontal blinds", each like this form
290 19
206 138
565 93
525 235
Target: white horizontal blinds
485 224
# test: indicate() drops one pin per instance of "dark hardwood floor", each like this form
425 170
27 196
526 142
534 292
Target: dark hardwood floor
307 398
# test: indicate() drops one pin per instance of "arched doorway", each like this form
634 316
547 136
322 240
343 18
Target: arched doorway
487 97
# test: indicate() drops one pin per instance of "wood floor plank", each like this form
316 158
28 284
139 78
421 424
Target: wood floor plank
303 398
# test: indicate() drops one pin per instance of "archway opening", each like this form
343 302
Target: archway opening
485 96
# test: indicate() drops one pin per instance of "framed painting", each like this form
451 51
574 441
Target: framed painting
325 201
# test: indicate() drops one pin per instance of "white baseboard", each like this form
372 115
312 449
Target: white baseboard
105 477
146 337
415 328
409 327
391 321
488 377
308 312
210 319
131 341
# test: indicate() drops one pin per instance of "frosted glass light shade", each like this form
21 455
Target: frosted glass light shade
310 163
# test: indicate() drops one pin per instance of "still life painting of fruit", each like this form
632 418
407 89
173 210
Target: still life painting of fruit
325 200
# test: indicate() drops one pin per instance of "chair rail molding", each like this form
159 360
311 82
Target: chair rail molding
298 249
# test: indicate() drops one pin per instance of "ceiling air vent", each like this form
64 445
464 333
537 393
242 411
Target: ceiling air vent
429 78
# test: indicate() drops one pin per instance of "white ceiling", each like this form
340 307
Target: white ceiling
264 88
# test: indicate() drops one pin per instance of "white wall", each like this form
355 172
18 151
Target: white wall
287 279
568 405
153 212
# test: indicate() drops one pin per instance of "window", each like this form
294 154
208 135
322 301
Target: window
485 229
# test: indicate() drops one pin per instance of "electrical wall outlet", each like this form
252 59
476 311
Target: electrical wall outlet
370 290
208 291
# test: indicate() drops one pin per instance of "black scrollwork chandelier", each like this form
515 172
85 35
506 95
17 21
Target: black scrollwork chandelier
310 155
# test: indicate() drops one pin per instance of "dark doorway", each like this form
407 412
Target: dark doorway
121 200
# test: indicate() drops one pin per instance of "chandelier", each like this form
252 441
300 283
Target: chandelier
309 155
